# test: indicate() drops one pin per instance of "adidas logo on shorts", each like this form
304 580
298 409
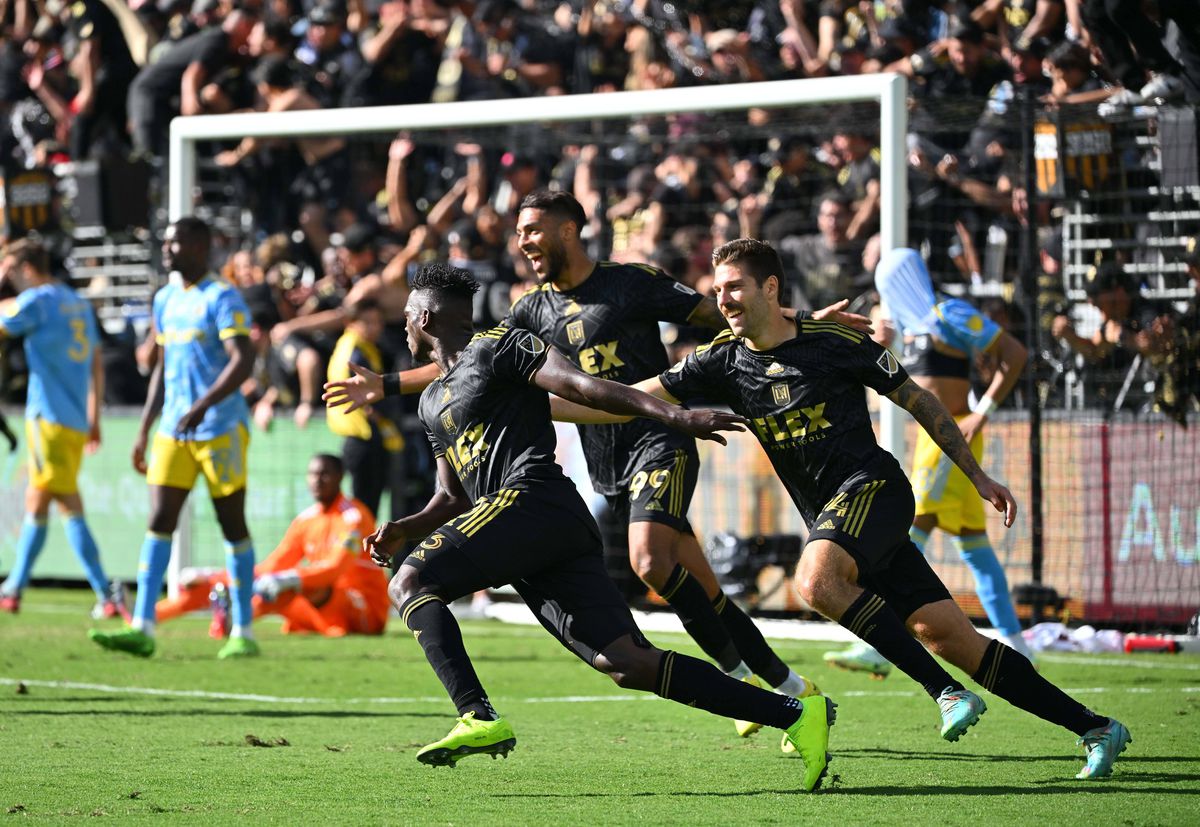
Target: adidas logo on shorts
828 524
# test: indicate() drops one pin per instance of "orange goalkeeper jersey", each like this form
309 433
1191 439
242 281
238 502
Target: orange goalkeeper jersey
324 546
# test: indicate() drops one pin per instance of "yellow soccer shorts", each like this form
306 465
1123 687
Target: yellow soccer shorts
942 489
55 454
176 463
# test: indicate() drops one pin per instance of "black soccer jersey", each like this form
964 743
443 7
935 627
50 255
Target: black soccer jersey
805 400
608 326
488 421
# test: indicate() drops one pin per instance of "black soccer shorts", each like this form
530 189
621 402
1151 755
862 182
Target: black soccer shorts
543 541
869 517
660 490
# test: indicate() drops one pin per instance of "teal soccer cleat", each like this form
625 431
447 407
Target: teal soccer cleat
961 710
1103 745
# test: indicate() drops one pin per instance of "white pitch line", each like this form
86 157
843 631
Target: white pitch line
562 699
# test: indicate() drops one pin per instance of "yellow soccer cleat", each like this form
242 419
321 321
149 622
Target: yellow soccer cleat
809 737
469 737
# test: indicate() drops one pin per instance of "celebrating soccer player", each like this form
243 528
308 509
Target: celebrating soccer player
604 317
62 416
800 382
505 513
202 330
940 339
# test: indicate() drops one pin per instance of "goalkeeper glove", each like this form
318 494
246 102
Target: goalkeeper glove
270 586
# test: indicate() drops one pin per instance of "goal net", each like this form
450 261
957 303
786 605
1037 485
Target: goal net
664 175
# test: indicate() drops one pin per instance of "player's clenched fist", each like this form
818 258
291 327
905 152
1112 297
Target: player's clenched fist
384 543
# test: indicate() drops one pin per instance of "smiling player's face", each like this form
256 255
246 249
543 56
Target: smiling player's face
540 238
742 302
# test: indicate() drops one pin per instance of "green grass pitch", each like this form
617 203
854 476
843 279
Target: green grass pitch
94 734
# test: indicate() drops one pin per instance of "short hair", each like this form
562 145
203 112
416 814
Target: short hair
836 196
332 460
560 204
31 252
445 281
274 73
754 258
196 228
360 308
1066 56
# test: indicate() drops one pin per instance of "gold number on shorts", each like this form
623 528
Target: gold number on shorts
658 480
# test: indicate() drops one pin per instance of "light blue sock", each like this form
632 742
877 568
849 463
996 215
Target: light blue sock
156 555
239 561
86 552
919 537
29 546
990 582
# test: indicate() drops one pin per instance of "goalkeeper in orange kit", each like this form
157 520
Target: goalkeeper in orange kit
318 577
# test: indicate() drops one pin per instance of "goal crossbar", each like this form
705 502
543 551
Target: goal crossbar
889 90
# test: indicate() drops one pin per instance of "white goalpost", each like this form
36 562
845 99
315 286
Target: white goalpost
888 90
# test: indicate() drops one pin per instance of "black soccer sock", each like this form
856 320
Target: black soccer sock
749 642
1009 674
693 682
437 631
873 620
686 596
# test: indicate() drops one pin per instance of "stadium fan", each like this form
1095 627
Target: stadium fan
62 416
371 437
318 577
940 340
800 382
505 513
604 317
202 327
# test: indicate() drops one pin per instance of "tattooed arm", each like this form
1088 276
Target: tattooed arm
940 425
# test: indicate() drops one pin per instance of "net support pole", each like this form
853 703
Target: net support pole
1030 268
181 184
893 221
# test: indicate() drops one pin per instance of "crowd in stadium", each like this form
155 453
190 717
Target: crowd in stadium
99 78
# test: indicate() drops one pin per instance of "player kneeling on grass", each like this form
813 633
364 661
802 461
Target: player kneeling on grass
504 512
319 578
800 382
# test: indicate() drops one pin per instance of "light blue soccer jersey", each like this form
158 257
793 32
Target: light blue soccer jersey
60 338
192 324
960 325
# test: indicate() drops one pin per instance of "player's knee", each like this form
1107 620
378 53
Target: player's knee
650 565
626 672
162 521
406 584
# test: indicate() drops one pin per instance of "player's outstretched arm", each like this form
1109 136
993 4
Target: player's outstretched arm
563 411
940 425
447 502
560 377
367 387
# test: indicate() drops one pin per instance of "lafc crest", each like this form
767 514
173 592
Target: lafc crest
448 422
781 393
575 332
